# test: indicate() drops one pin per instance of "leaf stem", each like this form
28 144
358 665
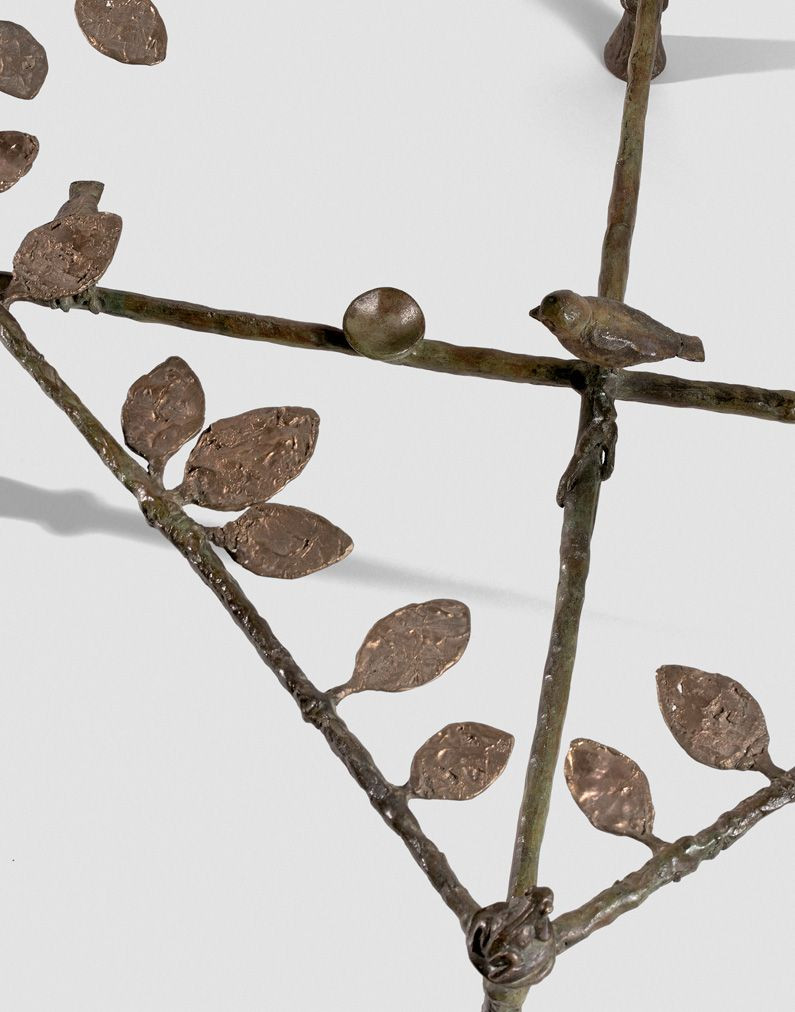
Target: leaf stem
163 512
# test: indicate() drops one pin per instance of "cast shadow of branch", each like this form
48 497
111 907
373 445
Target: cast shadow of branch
72 513
690 58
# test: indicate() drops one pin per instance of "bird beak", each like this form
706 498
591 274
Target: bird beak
536 313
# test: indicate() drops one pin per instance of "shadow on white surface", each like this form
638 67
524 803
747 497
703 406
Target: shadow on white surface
592 20
369 572
70 512
73 512
690 58
695 57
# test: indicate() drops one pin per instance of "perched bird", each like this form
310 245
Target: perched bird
610 333
66 257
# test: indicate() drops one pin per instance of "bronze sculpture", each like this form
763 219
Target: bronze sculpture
23 61
383 323
129 31
512 943
68 255
610 333
18 152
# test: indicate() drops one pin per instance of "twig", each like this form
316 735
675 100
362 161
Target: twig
623 208
726 398
580 511
164 513
672 863
441 357
575 557
434 356
579 515
461 360
596 436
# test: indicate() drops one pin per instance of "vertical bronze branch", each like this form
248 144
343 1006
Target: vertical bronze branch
579 515
623 207
580 498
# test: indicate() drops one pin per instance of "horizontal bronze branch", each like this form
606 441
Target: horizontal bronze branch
457 360
163 512
672 863
726 398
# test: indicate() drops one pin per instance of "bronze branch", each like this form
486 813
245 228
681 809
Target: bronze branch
162 510
443 357
672 863
238 463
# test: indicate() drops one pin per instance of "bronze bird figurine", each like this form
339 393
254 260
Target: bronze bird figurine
610 333
66 257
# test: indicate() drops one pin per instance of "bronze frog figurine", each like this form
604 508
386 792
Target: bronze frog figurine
511 943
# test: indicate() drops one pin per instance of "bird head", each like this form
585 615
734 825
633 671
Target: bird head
565 313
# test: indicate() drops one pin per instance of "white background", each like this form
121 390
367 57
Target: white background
172 837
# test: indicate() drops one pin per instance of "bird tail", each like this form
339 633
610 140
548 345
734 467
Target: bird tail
691 349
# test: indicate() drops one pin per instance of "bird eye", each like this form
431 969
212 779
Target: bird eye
551 300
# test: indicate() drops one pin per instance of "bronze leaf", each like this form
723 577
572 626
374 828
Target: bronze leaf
459 762
70 253
610 789
284 542
245 460
163 410
130 31
715 719
18 152
410 647
23 61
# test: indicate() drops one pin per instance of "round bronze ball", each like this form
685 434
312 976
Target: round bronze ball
383 323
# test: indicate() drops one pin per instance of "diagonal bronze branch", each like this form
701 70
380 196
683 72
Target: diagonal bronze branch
190 539
672 863
454 359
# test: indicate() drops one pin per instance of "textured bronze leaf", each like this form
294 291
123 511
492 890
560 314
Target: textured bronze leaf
284 541
130 31
23 62
18 152
610 789
459 762
163 410
70 253
410 647
245 460
715 720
